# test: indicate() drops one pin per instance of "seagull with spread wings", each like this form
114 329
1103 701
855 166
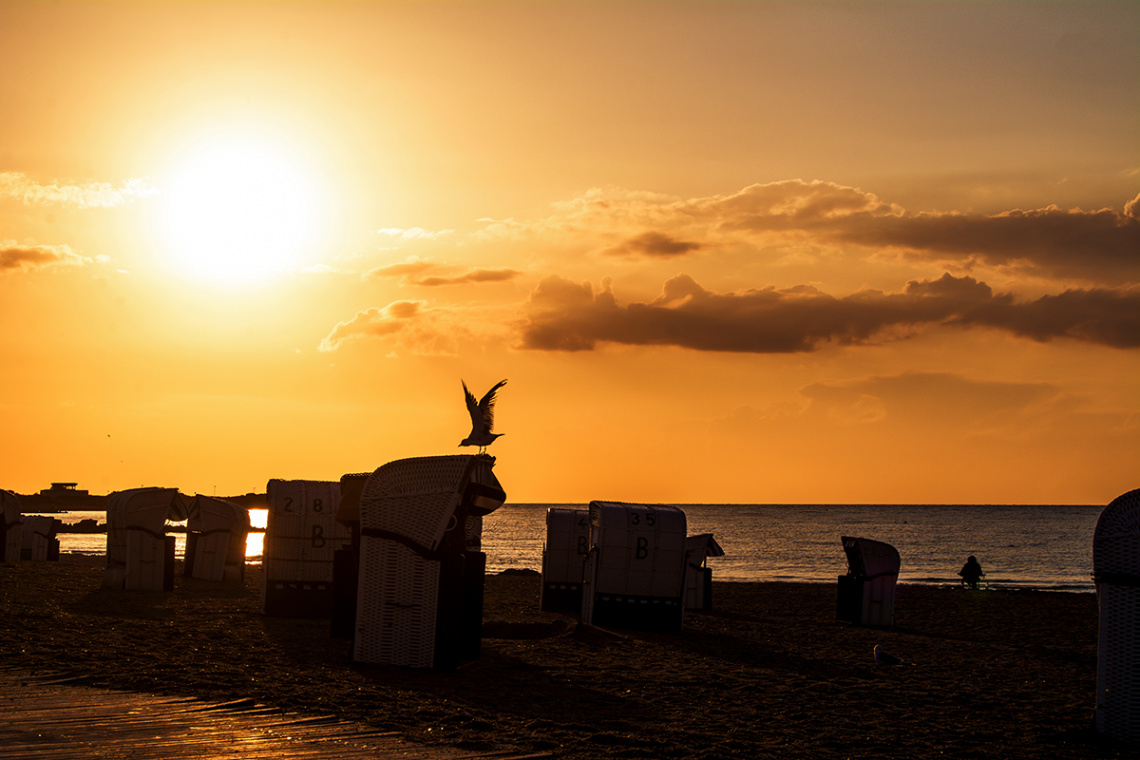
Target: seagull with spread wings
482 418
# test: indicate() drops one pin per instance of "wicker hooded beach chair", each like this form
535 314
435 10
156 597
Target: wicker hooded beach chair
302 537
140 556
38 542
698 575
1116 569
216 532
635 571
11 529
420 584
564 558
867 592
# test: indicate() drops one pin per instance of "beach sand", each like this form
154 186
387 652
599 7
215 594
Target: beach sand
767 673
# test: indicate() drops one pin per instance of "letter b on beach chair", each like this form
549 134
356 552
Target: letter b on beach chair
302 537
635 571
867 592
1116 568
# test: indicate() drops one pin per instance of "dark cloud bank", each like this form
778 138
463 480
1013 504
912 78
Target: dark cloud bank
566 316
1098 247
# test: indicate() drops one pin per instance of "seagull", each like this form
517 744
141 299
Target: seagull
884 658
482 418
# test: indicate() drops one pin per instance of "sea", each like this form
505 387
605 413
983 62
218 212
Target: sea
1019 547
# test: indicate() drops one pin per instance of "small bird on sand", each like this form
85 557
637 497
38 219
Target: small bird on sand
482 418
885 658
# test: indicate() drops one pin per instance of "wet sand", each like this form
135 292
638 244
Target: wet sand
767 673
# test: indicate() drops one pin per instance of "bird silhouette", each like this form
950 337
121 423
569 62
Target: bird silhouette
482 418
883 657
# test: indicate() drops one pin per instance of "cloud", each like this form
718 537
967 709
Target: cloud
24 258
96 194
408 271
566 316
1098 247
412 233
470 276
655 245
413 326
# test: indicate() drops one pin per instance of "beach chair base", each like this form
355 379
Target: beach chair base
561 597
642 612
299 599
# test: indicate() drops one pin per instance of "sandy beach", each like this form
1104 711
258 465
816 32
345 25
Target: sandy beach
767 673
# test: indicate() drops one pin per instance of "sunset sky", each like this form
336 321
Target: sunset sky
852 252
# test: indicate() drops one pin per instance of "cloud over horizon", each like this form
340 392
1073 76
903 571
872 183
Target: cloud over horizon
565 316
1100 246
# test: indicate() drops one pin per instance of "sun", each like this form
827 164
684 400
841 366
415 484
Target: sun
239 209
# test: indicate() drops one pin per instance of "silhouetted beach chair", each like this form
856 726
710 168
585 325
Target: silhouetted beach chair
38 542
635 571
216 532
867 592
1116 569
346 561
301 539
698 575
420 597
140 556
11 528
564 558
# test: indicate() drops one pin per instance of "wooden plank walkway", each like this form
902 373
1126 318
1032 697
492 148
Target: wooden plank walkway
46 718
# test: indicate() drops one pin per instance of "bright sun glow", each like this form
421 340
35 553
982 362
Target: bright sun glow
239 210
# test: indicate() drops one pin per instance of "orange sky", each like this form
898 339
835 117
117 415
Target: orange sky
738 252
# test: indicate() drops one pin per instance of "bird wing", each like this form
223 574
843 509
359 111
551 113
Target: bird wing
487 406
478 422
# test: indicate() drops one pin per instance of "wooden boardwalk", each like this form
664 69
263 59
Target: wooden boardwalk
45 718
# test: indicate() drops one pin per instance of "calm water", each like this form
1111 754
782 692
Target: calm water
1018 546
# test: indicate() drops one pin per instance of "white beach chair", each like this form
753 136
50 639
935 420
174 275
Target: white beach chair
564 558
11 528
1116 568
698 575
867 592
301 540
635 571
419 599
216 532
140 556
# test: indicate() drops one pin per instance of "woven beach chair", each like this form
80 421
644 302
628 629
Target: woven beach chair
140 556
420 585
1116 568
867 592
564 558
635 571
11 528
38 542
302 537
698 575
216 532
